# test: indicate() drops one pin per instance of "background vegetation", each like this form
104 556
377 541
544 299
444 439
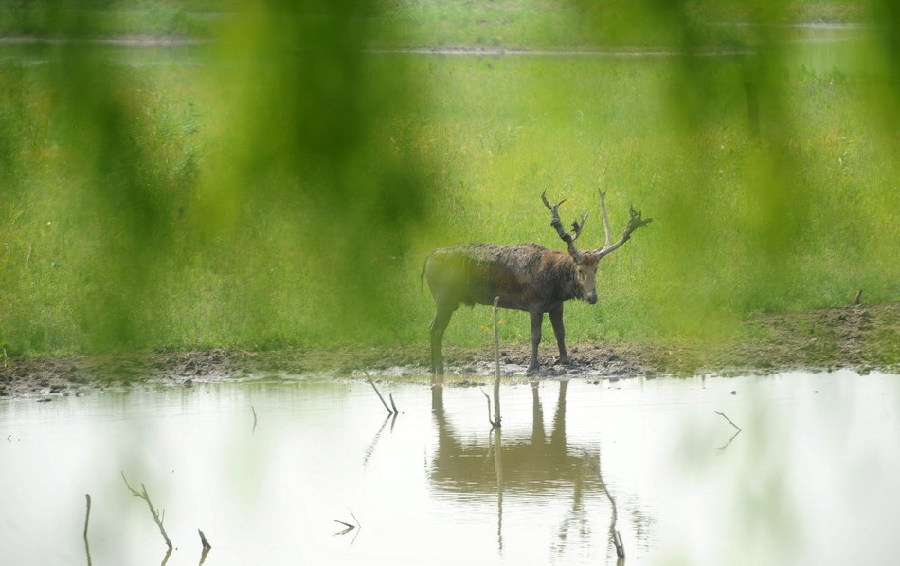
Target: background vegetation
279 179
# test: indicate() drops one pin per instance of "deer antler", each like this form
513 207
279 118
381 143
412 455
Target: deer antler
557 225
634 222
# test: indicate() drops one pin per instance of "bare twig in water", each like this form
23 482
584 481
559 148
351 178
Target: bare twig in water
496 421
733 436
494 424
614 534
393 405
203 540
156 518
349 526
206 546
729 420
383 402
253 409
87 517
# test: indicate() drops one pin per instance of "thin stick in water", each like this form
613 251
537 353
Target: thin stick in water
87 517
156 518
729 420
613 532
383 402
393 405
496 421
490 419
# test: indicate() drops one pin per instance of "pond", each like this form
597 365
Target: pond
266 468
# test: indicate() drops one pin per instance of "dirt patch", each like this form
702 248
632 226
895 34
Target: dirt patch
862 338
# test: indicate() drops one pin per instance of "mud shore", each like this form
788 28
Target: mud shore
863 338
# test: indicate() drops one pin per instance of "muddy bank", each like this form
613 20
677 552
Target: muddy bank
862 338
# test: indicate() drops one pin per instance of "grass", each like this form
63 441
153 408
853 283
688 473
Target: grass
184 205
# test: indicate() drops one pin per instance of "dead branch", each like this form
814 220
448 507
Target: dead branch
348 526
729 420
496 421
206 547
614 533
490 419
383 402
253 409
733 436
156 518
87 517
393 405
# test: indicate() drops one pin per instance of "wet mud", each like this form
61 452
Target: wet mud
860 338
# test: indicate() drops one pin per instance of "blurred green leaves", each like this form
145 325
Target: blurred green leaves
274 174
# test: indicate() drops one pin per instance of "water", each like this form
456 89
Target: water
266 469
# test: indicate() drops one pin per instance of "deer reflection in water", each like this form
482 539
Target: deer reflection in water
538 465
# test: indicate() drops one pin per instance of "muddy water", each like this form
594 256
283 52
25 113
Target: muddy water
267 468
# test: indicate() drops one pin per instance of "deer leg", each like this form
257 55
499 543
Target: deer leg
436 329
537 320
559 330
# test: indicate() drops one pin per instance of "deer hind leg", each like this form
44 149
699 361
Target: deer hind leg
559 330
436 329
537 320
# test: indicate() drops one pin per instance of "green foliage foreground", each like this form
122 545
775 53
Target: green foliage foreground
282 184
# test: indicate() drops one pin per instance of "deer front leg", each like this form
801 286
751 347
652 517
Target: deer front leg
559 330
537 320
437 327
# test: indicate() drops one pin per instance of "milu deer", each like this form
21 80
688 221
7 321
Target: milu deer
525 277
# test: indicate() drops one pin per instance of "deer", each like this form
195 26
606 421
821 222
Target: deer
526 277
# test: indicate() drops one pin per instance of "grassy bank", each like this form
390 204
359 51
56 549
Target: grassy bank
244 194
541 23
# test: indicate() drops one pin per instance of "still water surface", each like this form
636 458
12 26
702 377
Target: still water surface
812 478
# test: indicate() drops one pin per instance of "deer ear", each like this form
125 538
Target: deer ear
577 255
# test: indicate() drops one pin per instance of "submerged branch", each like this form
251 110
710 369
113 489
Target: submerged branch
153 511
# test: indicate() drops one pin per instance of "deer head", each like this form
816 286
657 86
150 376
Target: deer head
587 261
